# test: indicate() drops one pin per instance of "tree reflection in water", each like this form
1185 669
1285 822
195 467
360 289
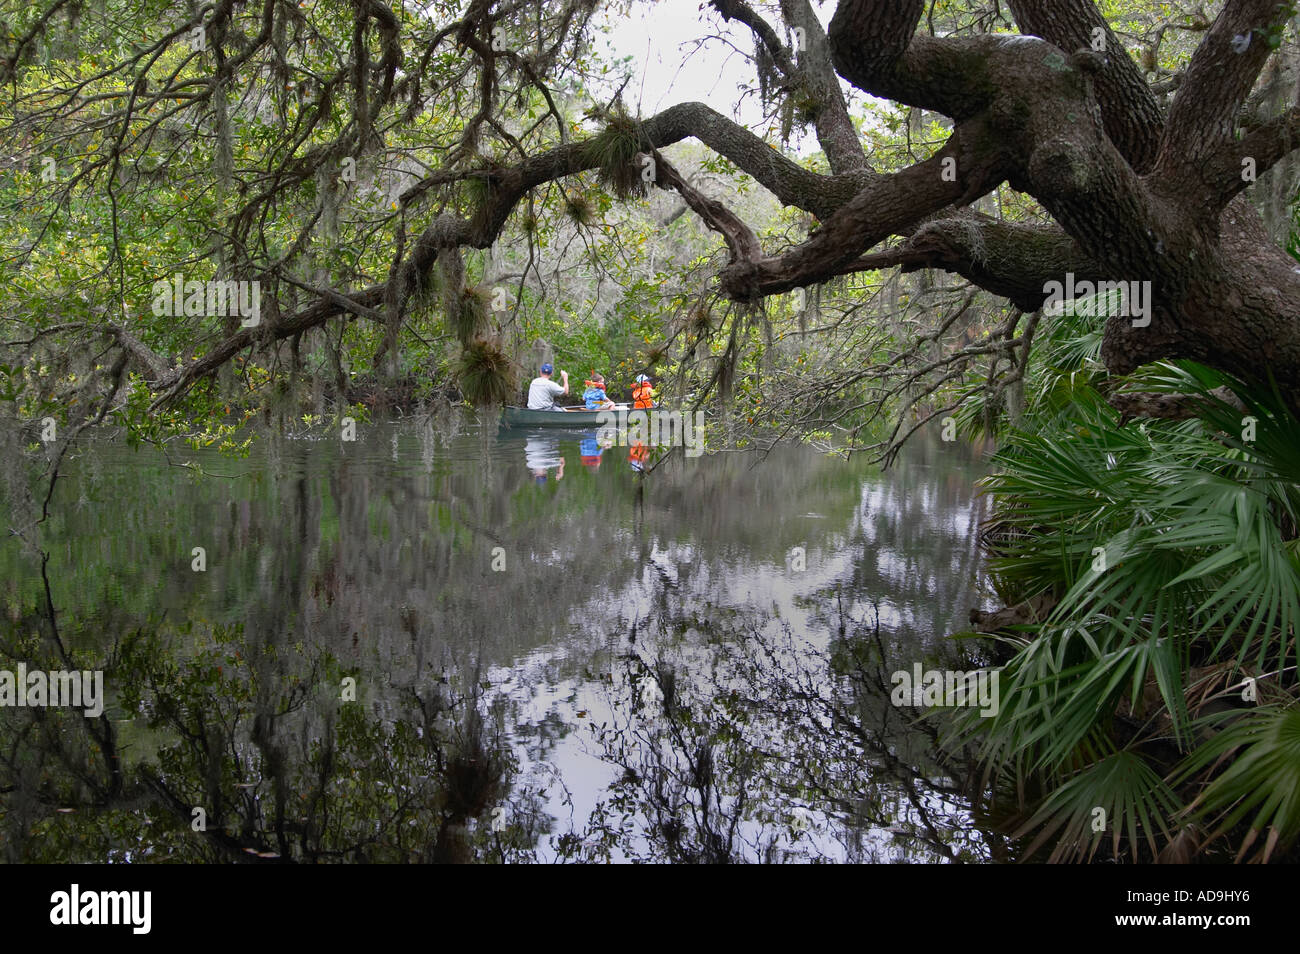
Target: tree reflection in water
647 678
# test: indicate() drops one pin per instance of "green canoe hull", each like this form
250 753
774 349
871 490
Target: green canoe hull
580 419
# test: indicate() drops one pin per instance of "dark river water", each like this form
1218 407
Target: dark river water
442 642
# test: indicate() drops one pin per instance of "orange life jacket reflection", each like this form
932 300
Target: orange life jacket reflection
643 396
638 455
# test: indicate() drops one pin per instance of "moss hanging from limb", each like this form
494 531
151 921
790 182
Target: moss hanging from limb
724 374
224 161
218 93
471 318
465 308
395 300
360 70
451 269
770 78
327 190
390 59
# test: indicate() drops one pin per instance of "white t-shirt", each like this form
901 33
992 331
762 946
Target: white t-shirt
542 394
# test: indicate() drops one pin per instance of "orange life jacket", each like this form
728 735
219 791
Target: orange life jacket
643 396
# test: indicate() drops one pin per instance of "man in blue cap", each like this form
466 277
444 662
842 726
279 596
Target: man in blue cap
543 391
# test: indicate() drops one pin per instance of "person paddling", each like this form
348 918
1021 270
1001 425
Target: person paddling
542 392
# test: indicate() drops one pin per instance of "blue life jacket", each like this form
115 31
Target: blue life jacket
594 397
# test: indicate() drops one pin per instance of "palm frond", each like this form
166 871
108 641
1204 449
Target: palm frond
1119 795
1259 781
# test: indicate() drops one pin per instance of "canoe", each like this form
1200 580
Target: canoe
570 418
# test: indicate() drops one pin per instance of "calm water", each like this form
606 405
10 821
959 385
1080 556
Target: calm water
440 642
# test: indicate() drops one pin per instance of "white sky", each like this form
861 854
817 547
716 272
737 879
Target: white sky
671 64
671 67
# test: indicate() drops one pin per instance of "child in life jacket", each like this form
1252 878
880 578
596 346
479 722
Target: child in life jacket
643 395
595 397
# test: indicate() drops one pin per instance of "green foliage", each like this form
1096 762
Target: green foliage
1170 551
1259 785
1120 786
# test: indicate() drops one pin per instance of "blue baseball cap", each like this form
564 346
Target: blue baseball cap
547 368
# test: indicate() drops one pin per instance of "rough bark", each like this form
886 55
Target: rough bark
1130 111
1071 126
